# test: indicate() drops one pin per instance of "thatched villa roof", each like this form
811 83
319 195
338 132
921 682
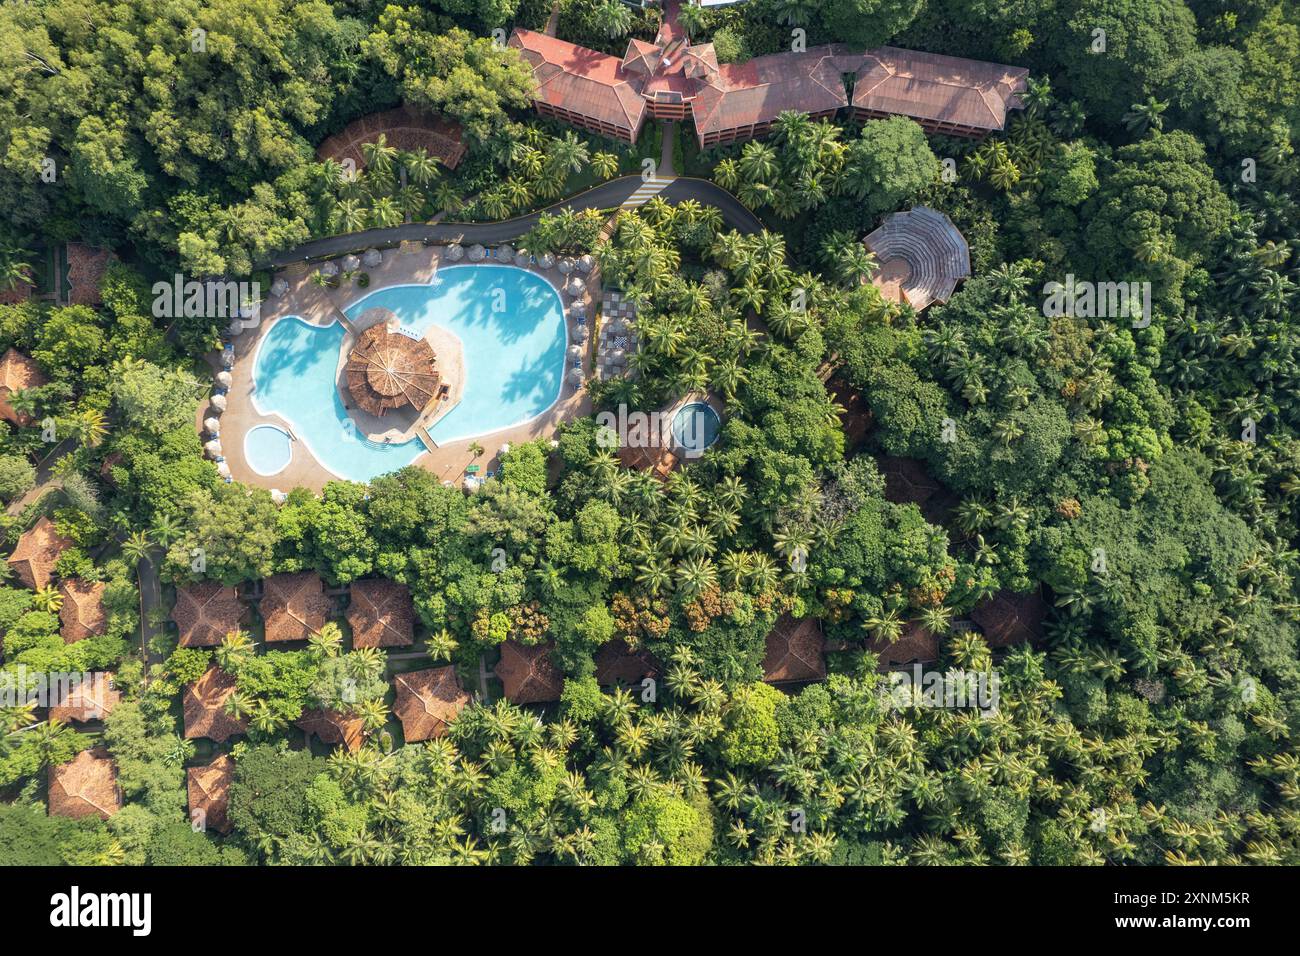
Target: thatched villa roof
38 549
82 614
381 614
389 369
205 613
616 663
204 705
209 792
17 372
85 786
527 673
795 651
333 727
428 701
87 700
294 606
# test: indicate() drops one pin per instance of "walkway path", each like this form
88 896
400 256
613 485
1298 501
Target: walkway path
46 480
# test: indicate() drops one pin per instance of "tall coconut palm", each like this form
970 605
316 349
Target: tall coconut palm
14 266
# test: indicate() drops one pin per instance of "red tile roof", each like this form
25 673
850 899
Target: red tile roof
204 705
205 613
294 606
17 372
938 89
209 793
582 81
616 663
82 614
1011 618
92 699
333 727
381 614
38 549
527 673
795 651
756 92
915 645
85 786
428 701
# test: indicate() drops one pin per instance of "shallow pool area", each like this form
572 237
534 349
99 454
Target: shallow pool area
511 327
695 427
268 449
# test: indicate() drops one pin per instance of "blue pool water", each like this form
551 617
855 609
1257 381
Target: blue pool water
268 449
513 358
695 427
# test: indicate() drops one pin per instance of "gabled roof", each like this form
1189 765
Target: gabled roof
205 613
616 663
796 651
204 704
582 81
915 645
1011 618
428 701
85 786
209 793
381 614
333 727
294 606
82 614
756 92
527 673
38 549
92 699
939 89
17 372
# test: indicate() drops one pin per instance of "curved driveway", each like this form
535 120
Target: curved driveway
607 195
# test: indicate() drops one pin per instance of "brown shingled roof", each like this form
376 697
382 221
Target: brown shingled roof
922 257
205 613
204 704
333 727
528 674
294 606
86 267
795 651
756 92
85 786
915 645
38 550
581 81
82 614
428 701
92 699
906 480
381 614
209 793
1011 618
616 663
17 372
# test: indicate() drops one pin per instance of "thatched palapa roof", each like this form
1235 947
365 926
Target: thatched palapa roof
1010 618
17 372
428 701
294 606
333 727
205 613
38 549
82 614
209 792
204 704
87 700
389 369
85 786
381 614
527 673
796 651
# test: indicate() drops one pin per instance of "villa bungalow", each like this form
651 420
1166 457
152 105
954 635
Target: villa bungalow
616 663
82 614
659 461
796 651
381 614
333 727
915 645
1011 618
428 701
205 613
85 786
38 549
204 704
88 700
294 606
527 673
17 372
209 793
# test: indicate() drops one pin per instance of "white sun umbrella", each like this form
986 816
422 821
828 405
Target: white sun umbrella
351 262
223 469
575 351
212 424
218 402
546 261
584 332
566 265
575 376
522 258
329 269
279 287
586 264
472 483
455 252
212 448
235 327
278 496
578 310
372 258
225 379
576 286
506 253
476 253
504 449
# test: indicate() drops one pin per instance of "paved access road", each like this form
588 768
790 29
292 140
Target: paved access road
608 195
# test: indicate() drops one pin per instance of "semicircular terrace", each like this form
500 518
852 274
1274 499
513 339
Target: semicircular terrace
921 255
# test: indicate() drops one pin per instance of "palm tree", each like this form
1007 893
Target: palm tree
727 174
350 216
691 17
614 18
1146 116
14 267
90 427
235 648
136 547
379 157
604 165
385 212
420 167
47 599
568 152
165 529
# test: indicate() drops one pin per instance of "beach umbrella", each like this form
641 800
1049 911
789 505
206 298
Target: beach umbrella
505 253
576 286
586 264
584 333
235 327
225 379
578 310
278 496
223 470
566 265
476 253
575 376
471 483
279 287
372 258
329 269
522 259
218 402
212 424
575 351
546 261
455 252
351 262
212 448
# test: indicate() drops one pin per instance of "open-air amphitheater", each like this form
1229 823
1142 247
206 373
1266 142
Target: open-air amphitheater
921 255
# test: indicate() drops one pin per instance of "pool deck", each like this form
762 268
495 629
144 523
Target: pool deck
412 263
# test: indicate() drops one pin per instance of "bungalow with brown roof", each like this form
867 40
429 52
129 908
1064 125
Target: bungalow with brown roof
1011 618
17 372
380 614
915 645
616 663
206 612
204 704
82 614
87 700
333 727
294 606
428 701
209 793
795 651
38 550
86 786
527 673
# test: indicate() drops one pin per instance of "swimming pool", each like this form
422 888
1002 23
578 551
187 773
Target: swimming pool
695 428
510 323
268 449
